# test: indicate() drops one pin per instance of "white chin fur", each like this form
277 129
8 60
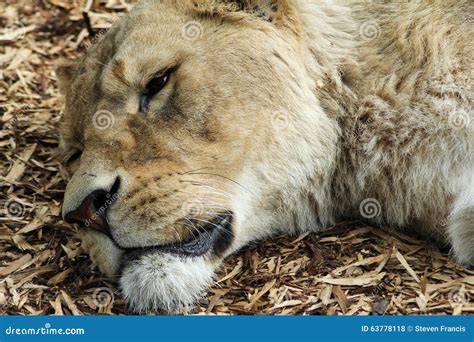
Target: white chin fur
163 281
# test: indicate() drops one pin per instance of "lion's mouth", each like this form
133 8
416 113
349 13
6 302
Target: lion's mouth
216 234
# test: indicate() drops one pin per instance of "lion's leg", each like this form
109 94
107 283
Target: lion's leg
461 226
102 251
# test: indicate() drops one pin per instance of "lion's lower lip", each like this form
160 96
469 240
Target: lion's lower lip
210 236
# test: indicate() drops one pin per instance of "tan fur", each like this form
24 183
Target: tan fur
287 113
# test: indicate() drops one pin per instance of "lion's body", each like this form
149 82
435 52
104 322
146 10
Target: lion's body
316 113
403 99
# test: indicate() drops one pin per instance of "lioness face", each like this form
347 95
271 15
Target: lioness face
173 141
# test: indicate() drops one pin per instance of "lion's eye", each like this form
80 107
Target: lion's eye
156 84
152 88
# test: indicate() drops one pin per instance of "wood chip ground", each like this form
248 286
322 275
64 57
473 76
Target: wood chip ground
353 269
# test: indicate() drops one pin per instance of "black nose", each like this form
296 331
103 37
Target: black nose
92 212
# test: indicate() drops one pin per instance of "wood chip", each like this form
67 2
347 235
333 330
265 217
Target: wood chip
70 304
20 164
404 263
13 266
358 281
340 298
352 269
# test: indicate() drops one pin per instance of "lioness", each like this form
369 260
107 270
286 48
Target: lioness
194 127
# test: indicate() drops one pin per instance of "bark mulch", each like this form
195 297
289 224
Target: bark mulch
352 269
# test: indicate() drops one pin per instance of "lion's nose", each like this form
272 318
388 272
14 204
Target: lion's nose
92 212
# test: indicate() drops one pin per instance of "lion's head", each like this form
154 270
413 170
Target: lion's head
190 129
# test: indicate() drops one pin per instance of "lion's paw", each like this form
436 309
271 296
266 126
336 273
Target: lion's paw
102 252
158 280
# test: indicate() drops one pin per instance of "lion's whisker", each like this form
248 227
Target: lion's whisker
214 191
227 178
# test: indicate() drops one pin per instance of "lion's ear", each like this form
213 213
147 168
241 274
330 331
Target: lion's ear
287 16
66 71
282 13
